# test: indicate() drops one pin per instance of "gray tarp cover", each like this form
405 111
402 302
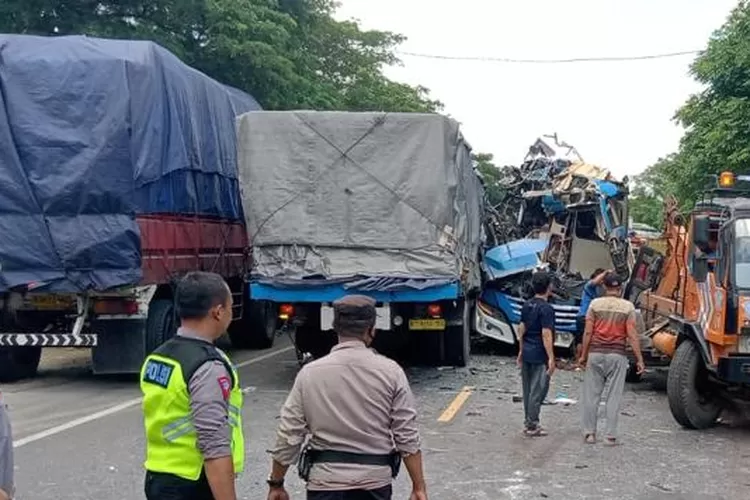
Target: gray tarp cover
337 194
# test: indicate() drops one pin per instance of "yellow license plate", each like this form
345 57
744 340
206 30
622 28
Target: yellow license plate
426 324
56 302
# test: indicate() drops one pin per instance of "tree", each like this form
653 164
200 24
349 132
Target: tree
650 189
491 177
286 53
717 120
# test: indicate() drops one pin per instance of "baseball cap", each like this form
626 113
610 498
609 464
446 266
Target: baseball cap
612 280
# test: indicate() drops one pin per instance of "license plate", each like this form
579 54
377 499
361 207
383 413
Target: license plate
426 324
55 302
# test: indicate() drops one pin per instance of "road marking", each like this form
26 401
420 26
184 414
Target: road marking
122 406
264 357
456 404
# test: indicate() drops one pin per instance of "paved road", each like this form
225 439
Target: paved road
93 453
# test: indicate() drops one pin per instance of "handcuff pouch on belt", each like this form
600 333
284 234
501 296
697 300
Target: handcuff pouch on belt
309 457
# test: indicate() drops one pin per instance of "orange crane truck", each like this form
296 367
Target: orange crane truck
695 300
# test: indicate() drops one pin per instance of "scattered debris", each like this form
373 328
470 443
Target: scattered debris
661 487
627 413
517 399
565 401
581 466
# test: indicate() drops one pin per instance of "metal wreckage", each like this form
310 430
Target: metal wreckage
560 214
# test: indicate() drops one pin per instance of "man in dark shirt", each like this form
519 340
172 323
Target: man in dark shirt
535 354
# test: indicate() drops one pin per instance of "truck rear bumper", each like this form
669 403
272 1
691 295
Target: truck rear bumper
331 292
734 369
47 340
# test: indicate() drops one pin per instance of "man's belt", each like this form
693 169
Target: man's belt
309 456
346 457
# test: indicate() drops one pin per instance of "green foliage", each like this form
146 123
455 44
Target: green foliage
491 175
288 53
717 120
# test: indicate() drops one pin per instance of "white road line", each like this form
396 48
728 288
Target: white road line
75 423
122 406
264 356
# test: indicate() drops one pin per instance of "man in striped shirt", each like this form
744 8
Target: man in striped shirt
610 323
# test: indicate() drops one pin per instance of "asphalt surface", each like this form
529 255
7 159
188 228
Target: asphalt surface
80 437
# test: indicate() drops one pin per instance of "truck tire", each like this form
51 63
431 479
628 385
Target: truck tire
687 388
161 324
17 363
458 337
257 329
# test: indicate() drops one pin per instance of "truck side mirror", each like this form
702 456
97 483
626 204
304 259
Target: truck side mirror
700 269
701 227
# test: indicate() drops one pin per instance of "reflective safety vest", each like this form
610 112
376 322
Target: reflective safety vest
171 440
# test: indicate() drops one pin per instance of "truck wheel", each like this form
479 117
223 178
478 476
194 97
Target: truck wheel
17 363
257 329
161 324
689 391
458 338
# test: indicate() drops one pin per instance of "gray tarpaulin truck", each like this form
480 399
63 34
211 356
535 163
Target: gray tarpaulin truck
382 204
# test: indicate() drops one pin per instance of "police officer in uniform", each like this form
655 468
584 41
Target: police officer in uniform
192 401
359 412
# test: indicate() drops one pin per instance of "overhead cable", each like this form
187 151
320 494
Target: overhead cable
510 60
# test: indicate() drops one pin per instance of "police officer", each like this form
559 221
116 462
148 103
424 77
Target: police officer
356 405
192 401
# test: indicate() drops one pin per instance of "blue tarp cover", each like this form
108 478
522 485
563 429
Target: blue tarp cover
94 132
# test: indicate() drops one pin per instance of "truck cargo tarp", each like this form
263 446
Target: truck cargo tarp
338 195
94 132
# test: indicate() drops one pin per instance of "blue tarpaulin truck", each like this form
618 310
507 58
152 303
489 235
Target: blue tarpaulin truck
382 204
118 174
587 218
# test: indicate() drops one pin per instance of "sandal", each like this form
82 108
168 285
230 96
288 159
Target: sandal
610 441
590 438
536 432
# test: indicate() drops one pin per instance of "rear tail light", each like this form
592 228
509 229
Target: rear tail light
116 306
286 311
434 310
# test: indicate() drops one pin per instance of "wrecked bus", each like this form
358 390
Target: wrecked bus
586 213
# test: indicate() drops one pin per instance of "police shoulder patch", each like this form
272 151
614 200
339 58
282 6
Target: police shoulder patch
158 373
226 386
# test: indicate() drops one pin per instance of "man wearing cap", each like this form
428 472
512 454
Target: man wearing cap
359 412
610 323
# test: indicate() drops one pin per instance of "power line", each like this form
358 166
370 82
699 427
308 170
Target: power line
551 61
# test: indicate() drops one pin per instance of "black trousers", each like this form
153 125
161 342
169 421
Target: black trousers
580 327
168 487
384 493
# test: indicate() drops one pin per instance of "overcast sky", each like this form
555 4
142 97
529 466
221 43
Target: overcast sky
617 114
